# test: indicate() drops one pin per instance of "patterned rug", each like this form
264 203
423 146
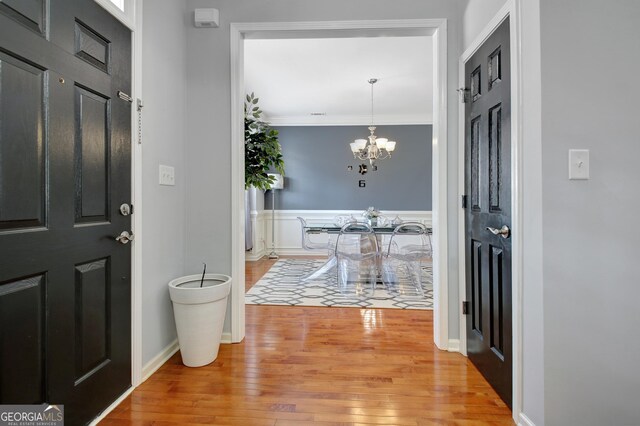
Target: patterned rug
282 285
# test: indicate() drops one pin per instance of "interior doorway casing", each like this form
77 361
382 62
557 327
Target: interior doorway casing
437 29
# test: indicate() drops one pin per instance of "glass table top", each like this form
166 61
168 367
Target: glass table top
318 228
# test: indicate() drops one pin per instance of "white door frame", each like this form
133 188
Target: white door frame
510 10
437 28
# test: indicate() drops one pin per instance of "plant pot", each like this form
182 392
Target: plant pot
199 313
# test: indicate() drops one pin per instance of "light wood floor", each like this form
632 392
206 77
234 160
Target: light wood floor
321 366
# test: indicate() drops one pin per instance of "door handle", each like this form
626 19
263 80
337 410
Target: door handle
504 232
124 237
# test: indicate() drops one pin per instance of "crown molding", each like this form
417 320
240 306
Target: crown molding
350 120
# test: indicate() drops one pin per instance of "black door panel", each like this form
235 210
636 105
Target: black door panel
488 186
65 160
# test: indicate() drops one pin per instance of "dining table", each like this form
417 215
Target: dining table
333 229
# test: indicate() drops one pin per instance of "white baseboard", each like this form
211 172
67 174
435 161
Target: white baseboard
226 337
159 360
523 420
110 408
454 345
250 256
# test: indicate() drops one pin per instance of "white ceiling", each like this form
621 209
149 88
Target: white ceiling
297 77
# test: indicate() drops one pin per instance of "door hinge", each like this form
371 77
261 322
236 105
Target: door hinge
464 200
465 95
465 308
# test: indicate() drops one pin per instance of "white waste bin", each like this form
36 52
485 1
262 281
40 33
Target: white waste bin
199 313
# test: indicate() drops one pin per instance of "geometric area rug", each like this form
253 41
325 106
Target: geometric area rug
283 285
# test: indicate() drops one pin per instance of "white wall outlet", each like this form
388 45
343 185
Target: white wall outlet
578 164
167 175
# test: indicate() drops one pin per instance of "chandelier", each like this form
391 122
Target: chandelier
374 148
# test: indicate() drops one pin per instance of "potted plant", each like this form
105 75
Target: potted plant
199 307
262 151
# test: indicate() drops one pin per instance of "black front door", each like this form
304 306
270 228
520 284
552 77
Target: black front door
488 211
65 282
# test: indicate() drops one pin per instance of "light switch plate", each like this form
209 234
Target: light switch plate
578 164
167 175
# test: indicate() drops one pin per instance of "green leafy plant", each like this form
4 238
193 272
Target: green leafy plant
262 151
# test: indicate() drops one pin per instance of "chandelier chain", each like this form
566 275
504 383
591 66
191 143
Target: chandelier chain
372 83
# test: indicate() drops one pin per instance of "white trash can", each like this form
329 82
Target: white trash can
199 313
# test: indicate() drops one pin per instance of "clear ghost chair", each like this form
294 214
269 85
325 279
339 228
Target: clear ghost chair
327 247
308 244
409 248
357 255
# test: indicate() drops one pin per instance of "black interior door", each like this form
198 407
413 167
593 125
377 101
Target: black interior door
488 211
65 283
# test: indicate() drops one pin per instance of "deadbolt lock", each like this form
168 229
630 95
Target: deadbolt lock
125 209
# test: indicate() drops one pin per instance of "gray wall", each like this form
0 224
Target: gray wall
208 157
316 175
475 17
590 61
163 90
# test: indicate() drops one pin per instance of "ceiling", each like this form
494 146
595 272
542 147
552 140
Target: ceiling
296 79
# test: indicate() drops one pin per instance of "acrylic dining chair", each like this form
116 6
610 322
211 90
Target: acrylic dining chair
308 244
356 254
409 249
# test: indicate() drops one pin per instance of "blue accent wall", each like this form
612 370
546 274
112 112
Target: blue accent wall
316 160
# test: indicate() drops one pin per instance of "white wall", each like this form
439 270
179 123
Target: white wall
209 126
163 223
476 16
590 61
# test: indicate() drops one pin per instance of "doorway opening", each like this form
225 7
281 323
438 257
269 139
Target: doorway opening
436 30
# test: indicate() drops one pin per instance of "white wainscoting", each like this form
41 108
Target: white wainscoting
259 236
288 233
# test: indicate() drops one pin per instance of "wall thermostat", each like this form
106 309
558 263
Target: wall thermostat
207 18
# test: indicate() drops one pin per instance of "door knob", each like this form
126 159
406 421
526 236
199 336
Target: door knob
504 232
124 237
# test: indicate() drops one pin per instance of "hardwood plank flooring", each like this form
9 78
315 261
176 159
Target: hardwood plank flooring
253 271
320 366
